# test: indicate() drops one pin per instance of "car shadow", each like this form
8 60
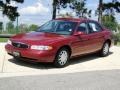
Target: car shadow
72 61
31 64
85 58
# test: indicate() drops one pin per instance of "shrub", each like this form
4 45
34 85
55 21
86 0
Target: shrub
116 38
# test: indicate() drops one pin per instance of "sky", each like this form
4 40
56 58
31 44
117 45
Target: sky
40 11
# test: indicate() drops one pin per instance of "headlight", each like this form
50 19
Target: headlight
35 47
9 42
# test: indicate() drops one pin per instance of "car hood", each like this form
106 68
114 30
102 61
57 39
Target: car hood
37 38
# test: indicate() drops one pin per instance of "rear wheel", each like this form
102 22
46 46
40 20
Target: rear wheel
62 58
105 49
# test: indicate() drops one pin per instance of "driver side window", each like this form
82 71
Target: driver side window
82 28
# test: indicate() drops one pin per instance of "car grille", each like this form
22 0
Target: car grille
19 45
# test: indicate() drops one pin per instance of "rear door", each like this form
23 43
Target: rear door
96 36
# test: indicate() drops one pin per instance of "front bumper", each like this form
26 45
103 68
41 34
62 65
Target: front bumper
32 55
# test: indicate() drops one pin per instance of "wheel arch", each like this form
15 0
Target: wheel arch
67 47
62 47
109 41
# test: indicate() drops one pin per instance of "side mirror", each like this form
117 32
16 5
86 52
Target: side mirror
79 33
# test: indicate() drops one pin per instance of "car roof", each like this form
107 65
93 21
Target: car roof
73 19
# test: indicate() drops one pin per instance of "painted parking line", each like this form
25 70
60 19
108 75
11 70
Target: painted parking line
2 56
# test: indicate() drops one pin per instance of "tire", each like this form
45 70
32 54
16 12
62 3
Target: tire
105 49
62 58
16 58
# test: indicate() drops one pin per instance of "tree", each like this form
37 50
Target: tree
65 15
119 27
108 8
57 4
111 7
100 10
77 5
110 22
23 28
80 9
33 27
10 26
9 10
1 26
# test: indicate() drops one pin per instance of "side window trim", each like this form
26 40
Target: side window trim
98 25
95 24
85 25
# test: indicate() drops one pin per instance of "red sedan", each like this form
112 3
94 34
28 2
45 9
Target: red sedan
59 40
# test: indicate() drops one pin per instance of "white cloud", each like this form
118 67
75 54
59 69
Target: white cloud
1 18
64 11
12 3
36 9
117 17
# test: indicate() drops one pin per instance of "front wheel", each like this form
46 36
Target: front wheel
105 49
62 58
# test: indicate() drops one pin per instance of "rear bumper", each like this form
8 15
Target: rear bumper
32 55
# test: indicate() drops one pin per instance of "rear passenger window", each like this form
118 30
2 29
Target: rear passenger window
94 27
82 28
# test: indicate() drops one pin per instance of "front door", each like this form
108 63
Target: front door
81 43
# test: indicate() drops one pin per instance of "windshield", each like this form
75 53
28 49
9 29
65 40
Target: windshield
58 27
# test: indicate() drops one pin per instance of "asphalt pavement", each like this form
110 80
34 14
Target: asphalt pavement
93 80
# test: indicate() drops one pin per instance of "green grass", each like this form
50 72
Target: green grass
3 39
118 44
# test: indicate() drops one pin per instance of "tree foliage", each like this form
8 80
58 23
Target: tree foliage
80 9
10 26
110 22
57 4
110 7
77 5
9 10
119 27
33 27
23 27
107 8
66 15
1 26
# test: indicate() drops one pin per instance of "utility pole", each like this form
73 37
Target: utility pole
54 9
17 25
100 11
1 22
